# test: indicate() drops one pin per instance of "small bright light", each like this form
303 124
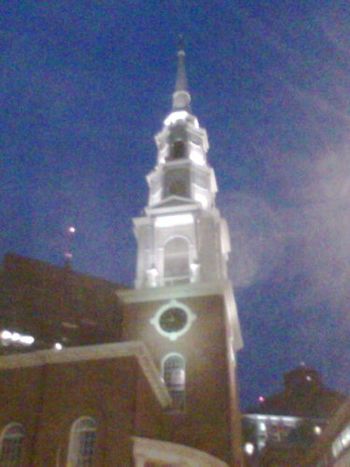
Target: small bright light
308 378
27 340
6 334
71 229
249 448
262 426
317 430
261 399
15 337
58 346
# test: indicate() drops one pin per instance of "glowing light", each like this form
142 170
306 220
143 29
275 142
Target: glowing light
317 430
27 340
249 448
341 442
58 346
170 221
262 426
308 378
6 334
261 399
15 337
71 229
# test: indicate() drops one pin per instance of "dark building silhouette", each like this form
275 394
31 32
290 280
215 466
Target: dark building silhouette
281 429
56 305
333 447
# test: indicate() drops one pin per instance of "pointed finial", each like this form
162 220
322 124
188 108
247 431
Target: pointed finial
181 43
181 96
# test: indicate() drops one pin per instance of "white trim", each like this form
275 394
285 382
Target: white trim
135 349
75 434
149 294
21 434
182 204
153 450
175 406
8 427
171 354
174 237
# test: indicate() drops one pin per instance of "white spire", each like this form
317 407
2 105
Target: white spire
181 95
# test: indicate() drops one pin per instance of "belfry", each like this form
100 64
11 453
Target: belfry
182 238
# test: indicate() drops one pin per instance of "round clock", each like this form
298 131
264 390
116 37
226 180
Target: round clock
173 320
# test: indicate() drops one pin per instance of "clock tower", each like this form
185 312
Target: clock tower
183 306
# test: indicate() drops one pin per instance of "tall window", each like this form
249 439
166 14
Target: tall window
82 442
176 260
174 375
11 443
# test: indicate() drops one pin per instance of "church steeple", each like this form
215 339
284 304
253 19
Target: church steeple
181 95
183 305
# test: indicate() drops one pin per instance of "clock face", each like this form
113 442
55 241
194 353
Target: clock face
173 319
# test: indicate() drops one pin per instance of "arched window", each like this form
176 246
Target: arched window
11 443
174 375
176 260
82 442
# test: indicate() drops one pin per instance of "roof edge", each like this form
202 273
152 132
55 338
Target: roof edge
135 349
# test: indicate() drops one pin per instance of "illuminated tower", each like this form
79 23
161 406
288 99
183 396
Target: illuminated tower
182 237
183 305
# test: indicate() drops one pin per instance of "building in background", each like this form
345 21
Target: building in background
333 447
282 428
145 376
42 305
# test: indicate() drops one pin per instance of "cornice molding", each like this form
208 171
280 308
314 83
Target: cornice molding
150 294
135 349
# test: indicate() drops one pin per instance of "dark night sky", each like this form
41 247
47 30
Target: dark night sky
85 86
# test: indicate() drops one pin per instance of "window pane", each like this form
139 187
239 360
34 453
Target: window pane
176 259
11 447
86 448
174 375
82 443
